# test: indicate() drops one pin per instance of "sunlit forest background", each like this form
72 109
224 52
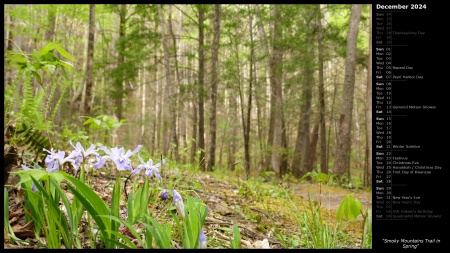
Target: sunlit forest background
251 123
252 87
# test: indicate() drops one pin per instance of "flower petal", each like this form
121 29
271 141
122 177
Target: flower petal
178 202
129 153
100 161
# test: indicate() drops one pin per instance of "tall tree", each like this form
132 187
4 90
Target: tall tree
118 82
175 90
342 161
214 67
368 178
276 111
90 61
169 89
322 134
249 105
201 89
302 148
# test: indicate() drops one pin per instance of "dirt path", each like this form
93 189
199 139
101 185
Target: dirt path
331 196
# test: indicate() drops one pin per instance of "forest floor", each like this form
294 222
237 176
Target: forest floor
261 208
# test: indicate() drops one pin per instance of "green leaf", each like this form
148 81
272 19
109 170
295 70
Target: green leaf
25 175
97 122
115 204
47 48
129 244
350 208
321 177
92 202
36 55
126 224
64 53
88 121
56 214
160 233
130 207
236 244
66 64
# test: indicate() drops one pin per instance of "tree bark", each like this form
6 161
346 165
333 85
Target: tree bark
313 147
277 92
300 163
322 134
90 61
215 59
342 161
201 91
169 88
121 59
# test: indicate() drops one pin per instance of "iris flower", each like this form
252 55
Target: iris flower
118 156
56 159
149 167
178 202
79 153
203 243
164 194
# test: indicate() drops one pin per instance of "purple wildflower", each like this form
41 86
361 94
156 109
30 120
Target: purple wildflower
203 242
56 159
164 194
178 202
79 153
118 156
149 167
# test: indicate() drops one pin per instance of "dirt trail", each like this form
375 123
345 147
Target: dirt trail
331 196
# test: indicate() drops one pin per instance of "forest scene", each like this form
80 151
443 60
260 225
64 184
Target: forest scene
219 126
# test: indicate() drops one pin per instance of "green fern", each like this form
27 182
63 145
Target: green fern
31 108
28 136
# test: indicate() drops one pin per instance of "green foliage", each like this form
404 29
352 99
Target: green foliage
102 126
35 139
190 227
138 204
235 243
320 234
41 61
32 125
350 208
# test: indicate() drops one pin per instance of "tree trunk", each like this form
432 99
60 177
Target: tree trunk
201 91
322 134
313 147
277 92
176 127
233 112
368 178
215 59
169 89
90 61
300 163
268 150
119 79
342 161
249 106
